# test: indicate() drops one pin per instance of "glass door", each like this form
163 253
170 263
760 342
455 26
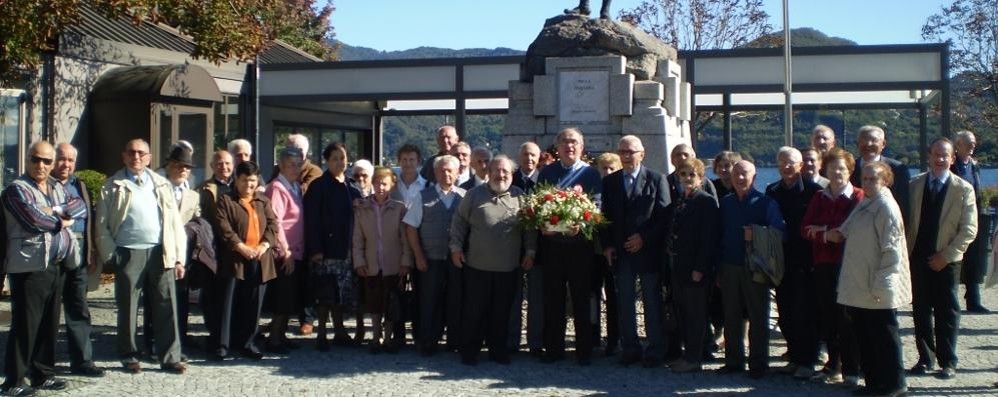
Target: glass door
190 123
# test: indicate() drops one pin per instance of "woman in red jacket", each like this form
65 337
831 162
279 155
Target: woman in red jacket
827 210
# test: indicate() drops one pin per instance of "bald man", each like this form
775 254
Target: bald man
741 295
446 138
871 142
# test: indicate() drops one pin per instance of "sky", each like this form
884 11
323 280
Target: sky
392 25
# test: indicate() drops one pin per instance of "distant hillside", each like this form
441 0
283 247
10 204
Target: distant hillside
800 37
351 53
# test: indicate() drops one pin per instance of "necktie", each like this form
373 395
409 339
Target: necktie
936 187
629 184
138 180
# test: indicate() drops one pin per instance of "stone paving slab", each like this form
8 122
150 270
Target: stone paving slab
352 371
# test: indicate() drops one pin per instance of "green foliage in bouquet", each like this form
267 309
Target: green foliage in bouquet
559 210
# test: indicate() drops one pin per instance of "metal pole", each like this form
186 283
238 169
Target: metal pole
788 110
256 106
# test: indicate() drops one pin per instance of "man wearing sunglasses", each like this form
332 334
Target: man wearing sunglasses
38 215
140 234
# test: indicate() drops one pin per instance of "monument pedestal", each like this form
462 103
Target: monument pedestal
598 96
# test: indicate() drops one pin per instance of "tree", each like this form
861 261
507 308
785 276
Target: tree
971 29
701 25
221 29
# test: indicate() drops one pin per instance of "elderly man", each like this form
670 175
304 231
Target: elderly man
567 259
447 137
462 151
975 259
427 227
871 143
241 150
309 171
795 295
213 293
179 163
39 216
811 167
740 293
479 164
525 178
822 139
485 225
634 201
943 223
410 183
680 153
140 234
75 286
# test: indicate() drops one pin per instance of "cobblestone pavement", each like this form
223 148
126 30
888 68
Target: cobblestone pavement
352 371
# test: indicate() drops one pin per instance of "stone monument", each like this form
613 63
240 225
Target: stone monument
608 78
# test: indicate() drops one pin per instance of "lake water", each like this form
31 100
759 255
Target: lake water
765 176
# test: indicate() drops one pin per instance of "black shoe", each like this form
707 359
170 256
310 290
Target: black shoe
251 353
947 373
50 384
978 309
756 373
727 370
629 358
549 358
920 369
651 362
219 354
90 371
537 353
18 391
322 344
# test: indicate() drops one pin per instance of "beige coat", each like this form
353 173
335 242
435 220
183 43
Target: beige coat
875 272
394 247
115 197
958 222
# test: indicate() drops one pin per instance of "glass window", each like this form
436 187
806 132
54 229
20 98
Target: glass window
319 137
228 123
11 113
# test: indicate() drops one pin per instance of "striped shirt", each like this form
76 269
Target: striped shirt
20 203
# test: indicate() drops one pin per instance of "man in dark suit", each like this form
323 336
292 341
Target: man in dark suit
634 201
75 285
871 142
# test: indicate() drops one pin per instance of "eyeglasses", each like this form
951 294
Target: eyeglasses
139 153
628 153
46 161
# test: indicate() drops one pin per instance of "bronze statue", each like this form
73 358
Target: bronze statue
583 9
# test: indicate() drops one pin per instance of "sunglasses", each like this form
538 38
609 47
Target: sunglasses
46 161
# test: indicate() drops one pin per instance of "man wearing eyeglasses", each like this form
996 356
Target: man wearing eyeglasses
634 201
38 215
140 234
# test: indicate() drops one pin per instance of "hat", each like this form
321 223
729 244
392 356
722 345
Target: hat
181 154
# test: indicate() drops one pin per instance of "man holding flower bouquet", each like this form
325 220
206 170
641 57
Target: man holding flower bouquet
634 201
566 255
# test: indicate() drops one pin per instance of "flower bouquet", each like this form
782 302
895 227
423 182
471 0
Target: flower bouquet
560 210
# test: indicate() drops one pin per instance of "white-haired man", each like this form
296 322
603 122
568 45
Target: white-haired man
241 150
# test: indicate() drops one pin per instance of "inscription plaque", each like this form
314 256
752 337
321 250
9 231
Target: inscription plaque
584 97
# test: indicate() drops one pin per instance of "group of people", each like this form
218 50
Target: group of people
437 246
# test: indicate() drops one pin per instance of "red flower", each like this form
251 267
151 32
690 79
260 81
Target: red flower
586 216
530 211
548 197
562 194
554 220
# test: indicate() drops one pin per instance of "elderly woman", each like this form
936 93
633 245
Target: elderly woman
248 231
826 211
285 194
691 243
723 162
328 227
381 257
607 163
874 281
361 175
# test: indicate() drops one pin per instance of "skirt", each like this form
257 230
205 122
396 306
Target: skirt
333 283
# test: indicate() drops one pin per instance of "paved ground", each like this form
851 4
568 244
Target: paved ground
351 371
